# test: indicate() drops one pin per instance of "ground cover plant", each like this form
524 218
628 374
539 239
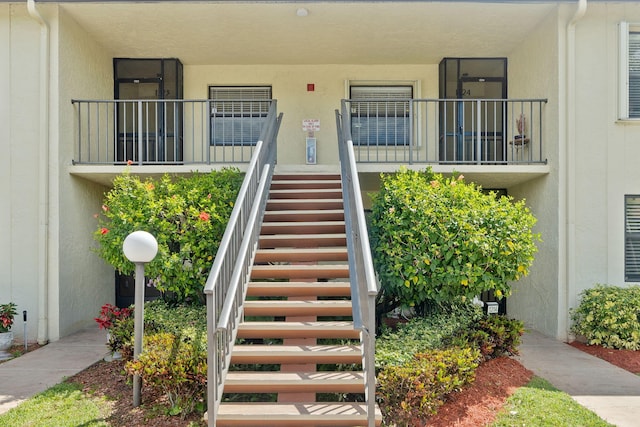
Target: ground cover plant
438 239
186 215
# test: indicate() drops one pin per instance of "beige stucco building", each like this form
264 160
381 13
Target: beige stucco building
567 65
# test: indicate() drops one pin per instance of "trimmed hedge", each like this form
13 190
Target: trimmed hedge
609 316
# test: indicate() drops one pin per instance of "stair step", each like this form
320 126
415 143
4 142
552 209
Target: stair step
332 329
294 382
304 215
298 308
287 354
285 184
304 204
302 240
317 414
303 271
303 227
301 254
291 289
311 193
306 177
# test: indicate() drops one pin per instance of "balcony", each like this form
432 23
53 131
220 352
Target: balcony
447 131
495 141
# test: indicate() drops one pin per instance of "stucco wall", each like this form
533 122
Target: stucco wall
19 174
533 70
289 87
607 151
83 70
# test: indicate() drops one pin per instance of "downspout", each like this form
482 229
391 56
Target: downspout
43 180
569 174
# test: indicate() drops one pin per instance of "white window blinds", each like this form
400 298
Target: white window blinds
380 115
632 239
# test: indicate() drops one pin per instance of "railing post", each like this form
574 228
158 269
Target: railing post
479 131
140 145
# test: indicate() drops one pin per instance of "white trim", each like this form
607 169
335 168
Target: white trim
623 71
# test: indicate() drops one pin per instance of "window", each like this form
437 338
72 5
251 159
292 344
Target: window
629 71
238 113
632 238
380 115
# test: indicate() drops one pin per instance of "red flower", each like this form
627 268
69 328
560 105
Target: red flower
129 162
204 216
105 208
109 313
104 231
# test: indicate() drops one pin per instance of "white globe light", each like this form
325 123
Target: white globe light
140 246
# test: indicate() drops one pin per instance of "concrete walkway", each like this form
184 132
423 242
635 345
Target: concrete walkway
36 371
609 391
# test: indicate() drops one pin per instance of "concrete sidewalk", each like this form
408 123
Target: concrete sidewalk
609 391
36 371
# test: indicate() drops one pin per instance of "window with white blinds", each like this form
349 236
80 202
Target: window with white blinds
238 113
380 115
629 71
632 238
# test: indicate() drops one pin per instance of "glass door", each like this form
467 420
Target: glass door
139 123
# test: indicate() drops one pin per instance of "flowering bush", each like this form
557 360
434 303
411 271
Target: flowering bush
187 216
109 314
438 239
7 313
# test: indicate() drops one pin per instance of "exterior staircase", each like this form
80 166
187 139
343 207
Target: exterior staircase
298 359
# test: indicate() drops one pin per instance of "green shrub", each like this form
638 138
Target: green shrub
419 334
493 336
186 321
177 366
187 216
408 394
437 238
609 316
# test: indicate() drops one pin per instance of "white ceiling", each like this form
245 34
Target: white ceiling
332 32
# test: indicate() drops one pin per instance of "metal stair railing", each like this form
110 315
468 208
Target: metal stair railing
364 285
226 285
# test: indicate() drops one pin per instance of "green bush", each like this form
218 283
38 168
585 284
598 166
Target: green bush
493 336
187 216
419 334
177 366
185 321
609 316
437 238
408 394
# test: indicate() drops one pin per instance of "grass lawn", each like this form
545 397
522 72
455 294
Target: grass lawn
62 405
539 404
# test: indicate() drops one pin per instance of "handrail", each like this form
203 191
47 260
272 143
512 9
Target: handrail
364 285
226 284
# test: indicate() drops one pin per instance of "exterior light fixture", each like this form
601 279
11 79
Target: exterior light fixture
140 248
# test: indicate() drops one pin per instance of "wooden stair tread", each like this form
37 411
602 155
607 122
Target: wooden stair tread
287 354
304 204
305 193
298 308
299 271
279 184
305 215
291 382
298 288
301 254
319 414
306 176
302 227
318 329
302 240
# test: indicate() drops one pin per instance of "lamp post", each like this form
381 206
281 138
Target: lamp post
140 248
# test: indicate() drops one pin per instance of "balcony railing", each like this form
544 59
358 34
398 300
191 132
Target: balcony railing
164 132
447 131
